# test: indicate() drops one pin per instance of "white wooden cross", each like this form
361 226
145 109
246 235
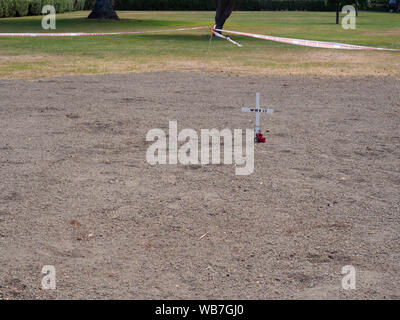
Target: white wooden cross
257 110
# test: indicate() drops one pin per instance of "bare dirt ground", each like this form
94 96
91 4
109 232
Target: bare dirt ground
76 191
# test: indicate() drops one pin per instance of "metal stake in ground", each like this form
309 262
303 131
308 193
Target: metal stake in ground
259 138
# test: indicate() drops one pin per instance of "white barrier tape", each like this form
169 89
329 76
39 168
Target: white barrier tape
307 43
226 38
83 34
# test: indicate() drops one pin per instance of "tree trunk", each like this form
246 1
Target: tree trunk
224 10
104 9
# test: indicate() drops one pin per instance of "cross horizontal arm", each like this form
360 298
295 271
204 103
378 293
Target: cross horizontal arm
257 110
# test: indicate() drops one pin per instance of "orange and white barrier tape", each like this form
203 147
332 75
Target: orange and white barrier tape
83 34
300 42
226 38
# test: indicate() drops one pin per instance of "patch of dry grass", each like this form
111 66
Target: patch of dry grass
311 62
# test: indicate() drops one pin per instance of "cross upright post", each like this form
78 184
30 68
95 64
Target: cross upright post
259 138
258 113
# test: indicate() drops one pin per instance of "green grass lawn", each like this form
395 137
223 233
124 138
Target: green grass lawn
34 57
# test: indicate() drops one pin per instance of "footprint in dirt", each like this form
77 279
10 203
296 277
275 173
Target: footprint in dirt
13 196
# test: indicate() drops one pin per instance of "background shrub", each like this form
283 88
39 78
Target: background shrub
89 4
12 8
59 5
69 5
79 5
245 5
21 7
8 8
35 7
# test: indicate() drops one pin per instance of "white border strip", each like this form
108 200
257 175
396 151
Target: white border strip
307 43
84 34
